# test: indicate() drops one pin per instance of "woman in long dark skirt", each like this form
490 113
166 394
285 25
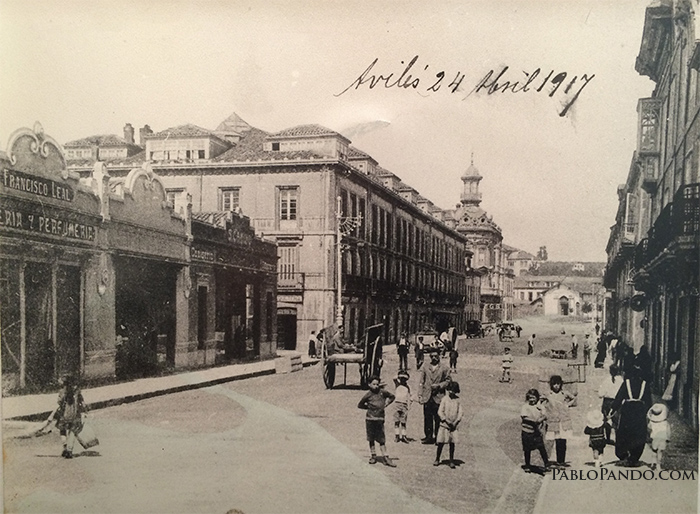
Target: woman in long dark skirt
632 403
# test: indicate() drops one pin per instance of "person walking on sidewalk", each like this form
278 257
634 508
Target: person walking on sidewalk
559 426
595 430
312 345
587 350
375 402
632 403
434 378
608 391
450 413
533 420
68 414
659 432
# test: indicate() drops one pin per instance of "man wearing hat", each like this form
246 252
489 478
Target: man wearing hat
433 380
659 431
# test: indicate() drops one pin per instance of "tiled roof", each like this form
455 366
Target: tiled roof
217 218
233 123
100 140
305 130
187 130
354 153
250 148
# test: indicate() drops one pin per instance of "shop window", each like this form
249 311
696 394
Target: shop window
229 198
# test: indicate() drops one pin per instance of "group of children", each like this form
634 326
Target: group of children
377 399
545 418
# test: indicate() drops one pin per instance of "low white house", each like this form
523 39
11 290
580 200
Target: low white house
560 300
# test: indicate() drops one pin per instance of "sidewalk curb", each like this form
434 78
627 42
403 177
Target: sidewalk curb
112 402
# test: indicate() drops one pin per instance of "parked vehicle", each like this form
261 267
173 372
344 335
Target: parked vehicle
506 331
474 328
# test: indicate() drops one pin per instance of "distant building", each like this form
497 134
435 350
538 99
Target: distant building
520 261
586 291
333 212
485 239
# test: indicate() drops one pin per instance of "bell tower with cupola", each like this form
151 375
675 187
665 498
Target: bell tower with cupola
470 191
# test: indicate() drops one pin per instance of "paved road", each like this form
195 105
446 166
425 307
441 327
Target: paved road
277 443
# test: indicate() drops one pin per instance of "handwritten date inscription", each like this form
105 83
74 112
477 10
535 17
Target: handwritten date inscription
566 87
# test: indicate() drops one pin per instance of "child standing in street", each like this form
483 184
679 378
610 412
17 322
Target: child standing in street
559 426
453 358
68 414
532 428
507 363
402 403
531 344
375 402
659 432
595 430
450 413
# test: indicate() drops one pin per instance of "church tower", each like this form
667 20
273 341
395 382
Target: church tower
470 190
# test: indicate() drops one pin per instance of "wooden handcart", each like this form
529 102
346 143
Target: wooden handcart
367 354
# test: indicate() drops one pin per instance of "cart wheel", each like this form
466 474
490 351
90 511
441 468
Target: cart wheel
329 374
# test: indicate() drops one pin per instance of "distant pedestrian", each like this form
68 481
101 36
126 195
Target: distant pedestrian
454 354
643 361
587 350
559 426
312 345
402 404
450 413
531 344
533 420
419 351
595 430
659 432
433 380
574 347
601 351
375 402
518 329
402 350
597 329
68 414
507 362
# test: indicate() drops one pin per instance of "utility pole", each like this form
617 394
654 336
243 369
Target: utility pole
344 225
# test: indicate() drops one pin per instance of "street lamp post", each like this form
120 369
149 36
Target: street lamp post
344 225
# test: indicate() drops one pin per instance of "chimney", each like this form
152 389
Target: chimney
145 131
129 134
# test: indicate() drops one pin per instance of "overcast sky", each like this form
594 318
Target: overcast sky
86 68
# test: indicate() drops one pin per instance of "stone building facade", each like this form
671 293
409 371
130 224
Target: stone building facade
328 207
654 246
97 277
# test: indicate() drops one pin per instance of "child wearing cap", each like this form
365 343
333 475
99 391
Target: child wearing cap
595 430
450 413
402 403
659 432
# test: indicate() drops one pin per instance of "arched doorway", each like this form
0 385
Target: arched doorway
564 306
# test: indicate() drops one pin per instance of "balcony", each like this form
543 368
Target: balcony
650 173
290 281
678 224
